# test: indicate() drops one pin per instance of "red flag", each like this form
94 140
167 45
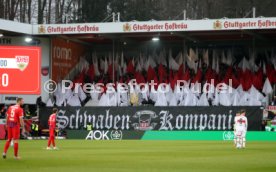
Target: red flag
121 80
270 73
186 76
101 81
174 81
110 72
211 75
258 79
180 71
269 69
79 79
139 78
274 76
171 77
208 73
197 77
157 83
91 72
246 80
235 81
239 72
228 75
151 74
130 67
162 73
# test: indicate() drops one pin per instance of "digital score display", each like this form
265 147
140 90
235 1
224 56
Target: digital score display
20 70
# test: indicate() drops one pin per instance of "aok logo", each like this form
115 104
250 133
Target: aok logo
104 135
228 135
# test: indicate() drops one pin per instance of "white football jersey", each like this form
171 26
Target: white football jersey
241 122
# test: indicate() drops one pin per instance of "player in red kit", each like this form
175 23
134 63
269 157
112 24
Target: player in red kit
52 128
14 118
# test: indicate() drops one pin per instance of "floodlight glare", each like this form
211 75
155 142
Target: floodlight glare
28 39
155 39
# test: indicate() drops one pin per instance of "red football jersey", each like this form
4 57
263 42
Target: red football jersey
14 114
52 121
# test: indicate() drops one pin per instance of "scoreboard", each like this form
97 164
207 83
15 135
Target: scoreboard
20 70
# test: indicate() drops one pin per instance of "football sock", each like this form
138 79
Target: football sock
53 142
7 145
49 142
15 149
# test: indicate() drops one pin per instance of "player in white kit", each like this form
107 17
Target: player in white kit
240 128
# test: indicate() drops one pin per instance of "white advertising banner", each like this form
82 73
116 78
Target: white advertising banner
157 26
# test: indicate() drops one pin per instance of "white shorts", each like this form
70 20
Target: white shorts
240 133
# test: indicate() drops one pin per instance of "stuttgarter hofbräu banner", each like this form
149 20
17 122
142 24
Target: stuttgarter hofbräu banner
156 26
146 118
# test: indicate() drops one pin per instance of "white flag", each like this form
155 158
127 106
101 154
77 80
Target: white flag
267 88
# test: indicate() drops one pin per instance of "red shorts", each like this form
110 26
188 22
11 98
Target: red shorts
13 133
52 132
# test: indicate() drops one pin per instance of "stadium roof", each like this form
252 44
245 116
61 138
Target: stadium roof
244 29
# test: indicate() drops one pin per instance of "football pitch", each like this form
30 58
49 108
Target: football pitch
144 156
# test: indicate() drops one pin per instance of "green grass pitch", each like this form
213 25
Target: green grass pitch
144 156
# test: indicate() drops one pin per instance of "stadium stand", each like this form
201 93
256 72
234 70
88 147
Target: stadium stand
248 79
